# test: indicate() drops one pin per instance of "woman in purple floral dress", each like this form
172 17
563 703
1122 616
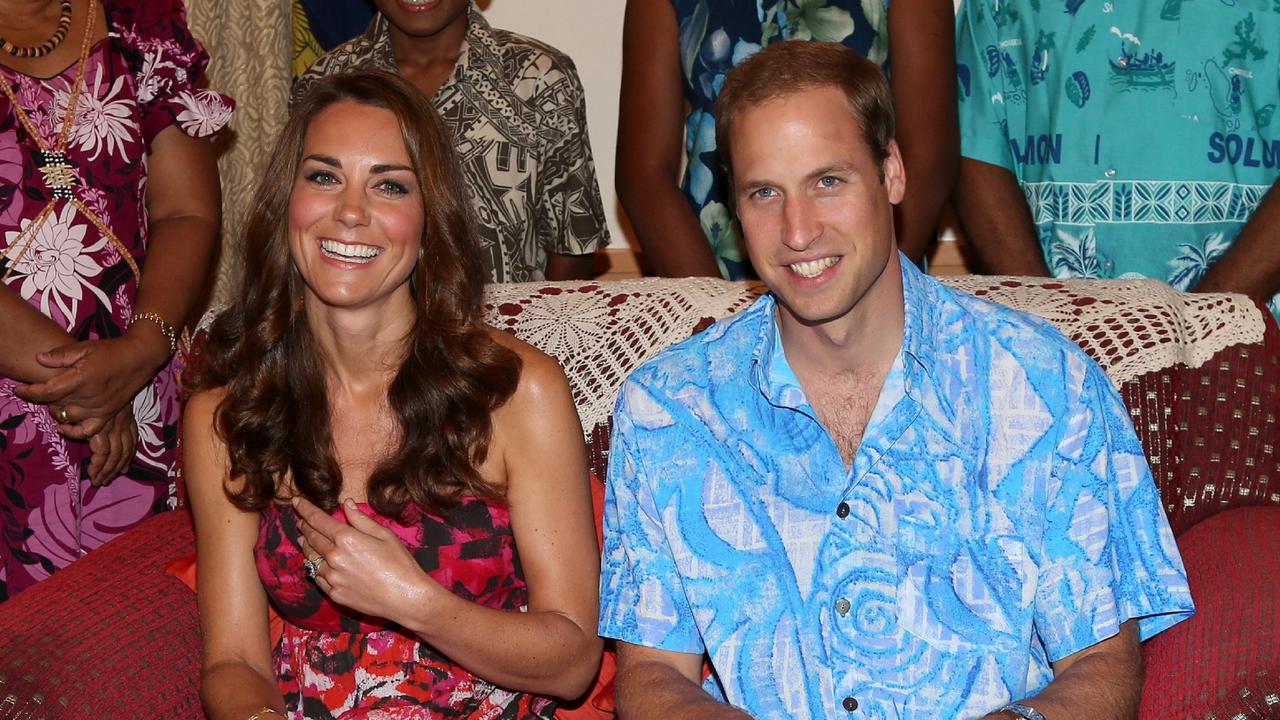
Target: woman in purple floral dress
109 211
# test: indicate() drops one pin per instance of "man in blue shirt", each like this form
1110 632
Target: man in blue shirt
1123 139
870 495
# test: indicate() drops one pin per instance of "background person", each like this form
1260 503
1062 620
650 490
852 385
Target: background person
109 212
516 110
405 485
1112 140
675 56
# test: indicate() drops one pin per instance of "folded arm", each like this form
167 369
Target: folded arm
27 333
651 145
95 378
552 649
922 63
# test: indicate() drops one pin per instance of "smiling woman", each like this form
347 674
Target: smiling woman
404 484
356 211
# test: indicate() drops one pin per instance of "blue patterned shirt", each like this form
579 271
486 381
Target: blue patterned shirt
999 515
1144 134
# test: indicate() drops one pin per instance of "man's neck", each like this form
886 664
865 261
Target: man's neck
427 53
842 364
866 339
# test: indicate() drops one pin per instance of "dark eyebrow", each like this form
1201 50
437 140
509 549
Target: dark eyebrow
376 169
324 160
833 169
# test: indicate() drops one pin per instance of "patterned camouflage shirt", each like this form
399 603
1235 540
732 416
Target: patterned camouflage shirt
516 109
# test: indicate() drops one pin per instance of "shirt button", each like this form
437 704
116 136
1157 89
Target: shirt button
1110 172
842 606
842 510
850 704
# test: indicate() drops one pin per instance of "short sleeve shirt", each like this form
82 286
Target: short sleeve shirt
516 109
1144 134
999 515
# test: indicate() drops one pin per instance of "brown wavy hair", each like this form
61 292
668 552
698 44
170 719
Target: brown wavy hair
785 68
275 416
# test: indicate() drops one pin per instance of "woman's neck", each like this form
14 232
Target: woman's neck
364 346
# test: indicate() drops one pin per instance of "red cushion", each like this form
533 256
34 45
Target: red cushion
1225 661
111 636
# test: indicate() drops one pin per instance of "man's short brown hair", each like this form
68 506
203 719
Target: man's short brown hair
785 68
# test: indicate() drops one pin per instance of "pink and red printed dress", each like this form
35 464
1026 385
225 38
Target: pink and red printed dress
335 663
136 82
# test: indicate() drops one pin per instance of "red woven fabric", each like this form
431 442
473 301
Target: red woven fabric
1212 433
111 636
1225 661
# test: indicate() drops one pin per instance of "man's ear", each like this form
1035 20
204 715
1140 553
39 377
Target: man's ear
895 175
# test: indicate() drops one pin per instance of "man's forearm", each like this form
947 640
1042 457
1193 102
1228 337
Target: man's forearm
996 221
1105 684
654 690
1252 264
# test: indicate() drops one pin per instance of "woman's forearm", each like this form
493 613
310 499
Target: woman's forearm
541 652
235 691
26 332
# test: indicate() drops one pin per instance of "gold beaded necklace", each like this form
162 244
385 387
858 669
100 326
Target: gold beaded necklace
64 24
57 170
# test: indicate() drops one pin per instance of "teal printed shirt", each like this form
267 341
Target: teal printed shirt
999 515
1143 133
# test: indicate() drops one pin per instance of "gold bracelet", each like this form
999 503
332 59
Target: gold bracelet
165 328
264 710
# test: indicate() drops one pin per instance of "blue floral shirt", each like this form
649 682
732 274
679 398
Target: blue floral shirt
717 35
999 515
1143 134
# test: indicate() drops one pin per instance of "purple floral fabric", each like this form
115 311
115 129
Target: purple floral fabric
136 82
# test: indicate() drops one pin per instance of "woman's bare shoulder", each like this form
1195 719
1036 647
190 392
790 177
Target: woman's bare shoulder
538 370
543 384
203 404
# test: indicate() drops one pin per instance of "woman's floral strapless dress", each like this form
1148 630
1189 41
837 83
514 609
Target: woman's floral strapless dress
333 662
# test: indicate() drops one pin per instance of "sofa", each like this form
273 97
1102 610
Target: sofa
115 636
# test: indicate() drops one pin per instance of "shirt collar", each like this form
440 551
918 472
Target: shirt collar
921 305
772 375
479 52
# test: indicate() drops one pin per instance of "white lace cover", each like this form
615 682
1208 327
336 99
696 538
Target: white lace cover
601 331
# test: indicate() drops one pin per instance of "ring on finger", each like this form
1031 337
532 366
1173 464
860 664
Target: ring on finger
312 566
62 415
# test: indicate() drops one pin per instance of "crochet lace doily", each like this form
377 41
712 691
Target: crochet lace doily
600 331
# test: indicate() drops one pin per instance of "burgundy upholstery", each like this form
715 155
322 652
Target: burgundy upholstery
1212 434
113 636
1222 663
